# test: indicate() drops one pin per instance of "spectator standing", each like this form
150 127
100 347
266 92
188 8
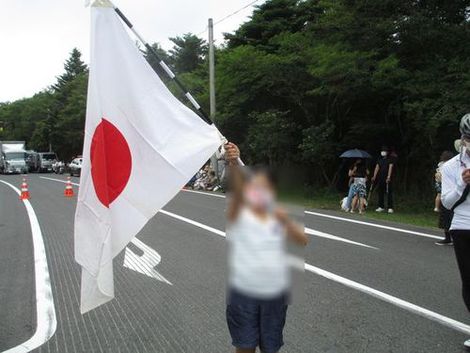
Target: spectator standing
359 188
351 173
455 190
445 215
445 156
382 178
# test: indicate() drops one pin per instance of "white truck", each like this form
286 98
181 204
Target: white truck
13 157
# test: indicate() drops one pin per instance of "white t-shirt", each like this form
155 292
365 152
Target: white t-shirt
257 256
452 189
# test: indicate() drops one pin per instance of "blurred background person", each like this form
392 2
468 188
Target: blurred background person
445 215
445 156
259 275
382 178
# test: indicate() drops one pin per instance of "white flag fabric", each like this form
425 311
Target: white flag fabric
141 146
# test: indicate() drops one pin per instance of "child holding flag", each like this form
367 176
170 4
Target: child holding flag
259 275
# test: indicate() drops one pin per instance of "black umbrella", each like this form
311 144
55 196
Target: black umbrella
355 153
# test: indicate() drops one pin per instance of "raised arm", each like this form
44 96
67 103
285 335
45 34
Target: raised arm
235 177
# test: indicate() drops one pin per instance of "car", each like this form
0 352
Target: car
75 166
46 160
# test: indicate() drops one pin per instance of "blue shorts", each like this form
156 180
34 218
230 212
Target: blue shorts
256 322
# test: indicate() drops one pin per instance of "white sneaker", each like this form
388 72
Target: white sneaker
466 344
380 209
390 210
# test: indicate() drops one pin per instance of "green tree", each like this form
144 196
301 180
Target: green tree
74 66
187 53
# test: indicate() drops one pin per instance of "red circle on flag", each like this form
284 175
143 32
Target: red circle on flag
111 162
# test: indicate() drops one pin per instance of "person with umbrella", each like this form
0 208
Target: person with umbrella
359 186
353 172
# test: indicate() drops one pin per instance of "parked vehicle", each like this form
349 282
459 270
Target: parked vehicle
13 157
75 167
32 161
46 159
58 167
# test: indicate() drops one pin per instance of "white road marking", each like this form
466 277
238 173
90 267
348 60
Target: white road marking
428 314
336 238
431 315
194 223
59 180
205 193
401 230
45 310
146 263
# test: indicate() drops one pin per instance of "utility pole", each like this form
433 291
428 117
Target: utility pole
214 161
49 128
211 69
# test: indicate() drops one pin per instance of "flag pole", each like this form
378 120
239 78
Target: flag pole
202 114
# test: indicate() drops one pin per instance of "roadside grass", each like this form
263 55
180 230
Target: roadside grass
412 211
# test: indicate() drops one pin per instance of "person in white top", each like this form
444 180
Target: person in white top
455 191
259 275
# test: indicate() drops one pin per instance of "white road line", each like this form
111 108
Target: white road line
45 311
194 223
59 180
428 314
336 238
431 315
205 193
374 225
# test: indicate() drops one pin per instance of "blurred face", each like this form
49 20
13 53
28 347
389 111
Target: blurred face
466 144
383 153
258 193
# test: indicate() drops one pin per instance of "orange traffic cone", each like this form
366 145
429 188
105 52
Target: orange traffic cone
68 192
24 190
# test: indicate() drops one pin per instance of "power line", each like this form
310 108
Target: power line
230 15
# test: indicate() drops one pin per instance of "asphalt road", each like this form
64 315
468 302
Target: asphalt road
368 296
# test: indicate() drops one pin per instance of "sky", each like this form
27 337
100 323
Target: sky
36 36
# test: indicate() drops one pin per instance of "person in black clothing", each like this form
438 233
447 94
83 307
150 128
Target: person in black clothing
382 178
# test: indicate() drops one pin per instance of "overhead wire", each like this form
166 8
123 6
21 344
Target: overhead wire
230 15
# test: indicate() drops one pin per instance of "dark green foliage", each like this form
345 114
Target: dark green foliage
187 53
350 74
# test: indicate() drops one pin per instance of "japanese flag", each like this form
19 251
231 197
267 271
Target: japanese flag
141 146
